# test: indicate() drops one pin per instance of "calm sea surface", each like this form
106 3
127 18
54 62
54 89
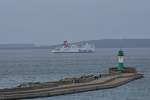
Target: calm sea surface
32 65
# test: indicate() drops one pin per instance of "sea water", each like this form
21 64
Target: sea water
19 66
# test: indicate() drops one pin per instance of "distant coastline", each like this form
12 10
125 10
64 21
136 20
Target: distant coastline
105 43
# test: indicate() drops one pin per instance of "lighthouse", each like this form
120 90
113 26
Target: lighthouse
120 65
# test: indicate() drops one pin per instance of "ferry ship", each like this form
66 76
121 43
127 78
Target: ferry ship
66 48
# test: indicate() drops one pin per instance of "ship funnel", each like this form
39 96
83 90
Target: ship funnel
66 45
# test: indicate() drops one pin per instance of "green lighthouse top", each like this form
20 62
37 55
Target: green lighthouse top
120 53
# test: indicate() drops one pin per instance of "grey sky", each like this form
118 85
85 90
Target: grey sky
52 21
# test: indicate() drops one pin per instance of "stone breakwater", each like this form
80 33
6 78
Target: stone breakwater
68 86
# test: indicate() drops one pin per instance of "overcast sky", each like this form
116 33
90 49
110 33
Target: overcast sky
53 21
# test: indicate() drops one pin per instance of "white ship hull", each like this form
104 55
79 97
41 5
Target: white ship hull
73 50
